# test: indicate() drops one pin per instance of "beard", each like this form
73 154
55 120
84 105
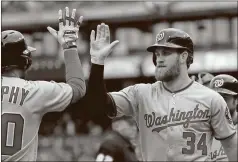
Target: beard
167 74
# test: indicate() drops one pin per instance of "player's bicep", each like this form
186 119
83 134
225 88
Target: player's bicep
121 104
125 101
221 119
54 96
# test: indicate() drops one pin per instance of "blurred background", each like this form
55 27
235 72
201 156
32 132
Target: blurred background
74 136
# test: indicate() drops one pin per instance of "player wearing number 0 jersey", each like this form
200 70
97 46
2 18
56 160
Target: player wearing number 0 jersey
177 117
25 102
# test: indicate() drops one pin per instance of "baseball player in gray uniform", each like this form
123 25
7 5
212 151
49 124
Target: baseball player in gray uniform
25 102
227 86
177 117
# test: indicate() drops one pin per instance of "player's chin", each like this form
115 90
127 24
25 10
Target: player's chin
160 77
166 77
160 74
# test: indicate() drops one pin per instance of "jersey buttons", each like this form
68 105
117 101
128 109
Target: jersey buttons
173 100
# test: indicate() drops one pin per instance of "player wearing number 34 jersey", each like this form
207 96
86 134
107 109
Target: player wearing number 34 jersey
25 102
177 117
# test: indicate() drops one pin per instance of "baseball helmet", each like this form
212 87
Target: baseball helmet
173 38
15 51
225 84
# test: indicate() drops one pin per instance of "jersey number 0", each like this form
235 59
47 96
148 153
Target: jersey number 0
12 130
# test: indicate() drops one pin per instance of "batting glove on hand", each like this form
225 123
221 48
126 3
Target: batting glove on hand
100 47
68 29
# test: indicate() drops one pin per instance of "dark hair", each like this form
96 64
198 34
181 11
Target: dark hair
189 60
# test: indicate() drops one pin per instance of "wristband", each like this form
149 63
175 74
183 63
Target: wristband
68 45
98 61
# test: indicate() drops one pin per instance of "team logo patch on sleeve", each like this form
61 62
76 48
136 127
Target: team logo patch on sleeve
228 115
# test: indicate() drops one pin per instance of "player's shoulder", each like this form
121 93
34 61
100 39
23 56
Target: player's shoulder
41 84
16 82
38 85
33 85
148 86
144 89
205 90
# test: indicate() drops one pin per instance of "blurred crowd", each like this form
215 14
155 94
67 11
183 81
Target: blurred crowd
31 6
65 144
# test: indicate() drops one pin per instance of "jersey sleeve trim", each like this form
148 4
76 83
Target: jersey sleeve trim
220 139
114 112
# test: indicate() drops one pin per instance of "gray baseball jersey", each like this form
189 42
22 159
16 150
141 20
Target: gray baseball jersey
23 105
175 126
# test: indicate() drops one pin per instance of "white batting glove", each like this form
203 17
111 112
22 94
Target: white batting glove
68 29
100 47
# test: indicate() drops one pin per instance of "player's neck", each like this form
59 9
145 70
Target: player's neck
14 73
178 83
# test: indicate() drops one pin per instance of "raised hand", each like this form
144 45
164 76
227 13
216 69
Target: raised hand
100 47
68 29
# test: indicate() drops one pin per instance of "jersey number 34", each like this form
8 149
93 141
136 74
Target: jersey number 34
191 143
12 130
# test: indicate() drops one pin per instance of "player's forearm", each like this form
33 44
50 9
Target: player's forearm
230 147
74 73
97 93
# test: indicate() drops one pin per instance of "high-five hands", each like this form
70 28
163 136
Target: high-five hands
68 29
100 47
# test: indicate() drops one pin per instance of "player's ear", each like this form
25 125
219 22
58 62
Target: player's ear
183 57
